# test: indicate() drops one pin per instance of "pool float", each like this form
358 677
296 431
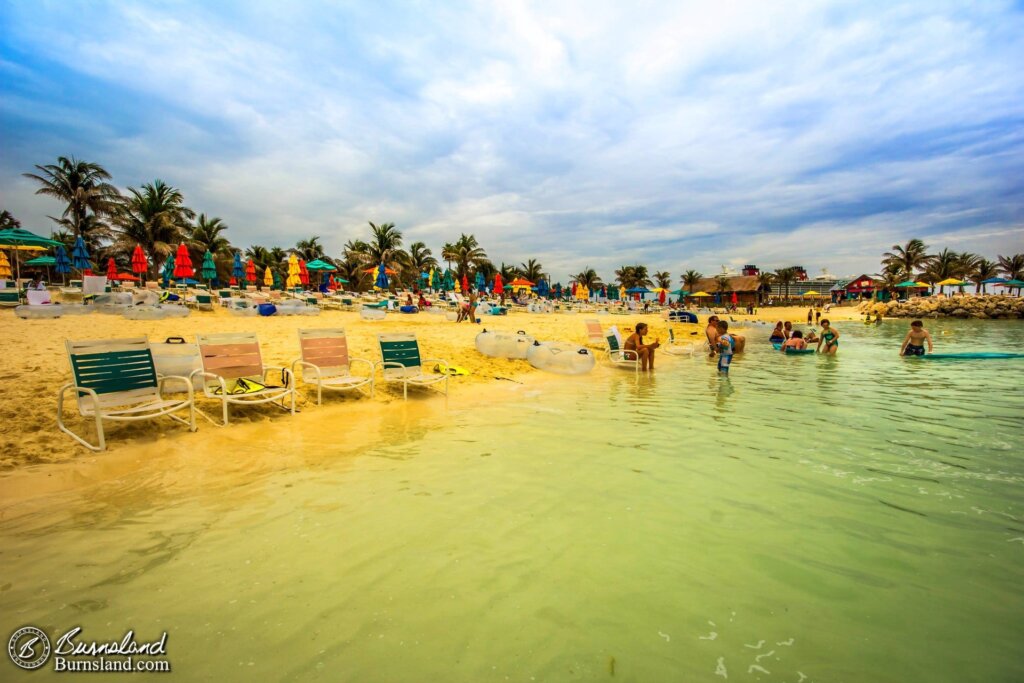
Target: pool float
777 346
453 370
296 307
372 313
561 357
490 309
798 352
176 358
155 312
978 355
504 344
408 309
539 308
116 302
451 315
241 307
40 311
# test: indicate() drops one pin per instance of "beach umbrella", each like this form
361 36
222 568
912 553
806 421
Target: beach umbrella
294 279
209 268
637 290
320 265
268 277
622 292
183 263
278 280
237 269
1016 284
373 271
458 287
481 284
735 298
122 277
19 239
381 278
139 264
613 294
168 271
40 261
430 278
80 256
250 272
661 297
499 286
447 282
111 269
465 283
303 272
543 289
5 267
698 295
63 264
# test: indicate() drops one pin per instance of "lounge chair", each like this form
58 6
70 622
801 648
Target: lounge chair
617 356
202 302
325 362
236 356
678 347
116 379
400 362
595 335
9 297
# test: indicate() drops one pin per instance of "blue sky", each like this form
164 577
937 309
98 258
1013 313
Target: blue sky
676 134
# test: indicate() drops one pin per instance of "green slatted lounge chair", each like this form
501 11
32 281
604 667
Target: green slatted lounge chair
10 297
326 364
115 379
230 357
618 356
400 362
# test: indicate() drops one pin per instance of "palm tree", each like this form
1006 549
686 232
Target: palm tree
983 270
588 277
965 265
942 266
260 257
83 187
663 279
690 279
155 217
785 277
205 235
352 267
1012 266
309 250
510 272
723 284
910 257
633 276
765 281
421 260
891 276
532 270
7 220
465 251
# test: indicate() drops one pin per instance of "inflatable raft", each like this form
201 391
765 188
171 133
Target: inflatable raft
44 311
562 358
156 312
372 313
504 344
980 355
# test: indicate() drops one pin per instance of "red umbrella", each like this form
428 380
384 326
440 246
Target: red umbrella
139 265
111 269
661 297
574 289
734 298
387 270
250 271
499 288
183 263
232 282
303 273
123 276
465 283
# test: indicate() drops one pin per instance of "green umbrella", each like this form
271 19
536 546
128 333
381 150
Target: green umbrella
168 271
18 238
42 261
277 280
209 268
320 265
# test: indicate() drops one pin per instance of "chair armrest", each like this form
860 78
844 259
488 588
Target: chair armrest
371 364
428 361
285 370
72 385
187 380
209 375
304 365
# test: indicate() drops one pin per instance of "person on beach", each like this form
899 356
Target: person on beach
913 343
817 317
37 283
635 342
423 303
787 330
777 335
726 347
711 332
829 337
795 342
810 315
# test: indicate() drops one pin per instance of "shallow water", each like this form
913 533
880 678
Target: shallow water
856 518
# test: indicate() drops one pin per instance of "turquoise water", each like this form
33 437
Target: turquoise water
856 518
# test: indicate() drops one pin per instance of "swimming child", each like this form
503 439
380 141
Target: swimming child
787 329
829 337
913 343
726 346
777 336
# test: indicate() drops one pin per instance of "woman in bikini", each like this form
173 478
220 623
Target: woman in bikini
829 337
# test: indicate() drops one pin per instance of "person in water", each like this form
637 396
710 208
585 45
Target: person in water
777 336
711 332
811 338
829 337
645 352
913 343
726 347
787 329
795 342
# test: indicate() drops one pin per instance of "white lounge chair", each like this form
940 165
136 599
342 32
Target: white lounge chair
400 362
595 335
326 364
618 356
232 357
115 379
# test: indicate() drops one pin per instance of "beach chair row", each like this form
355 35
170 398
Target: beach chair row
117 379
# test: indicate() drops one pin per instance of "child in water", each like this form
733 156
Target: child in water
913 343
726 346
829 337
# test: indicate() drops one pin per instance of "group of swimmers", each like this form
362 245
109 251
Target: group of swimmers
788 338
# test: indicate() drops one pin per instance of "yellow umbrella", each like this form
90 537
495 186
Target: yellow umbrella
951 281
458 287
430 278
294 279
923 284
5 266
268 278
622 293
699 294
812 294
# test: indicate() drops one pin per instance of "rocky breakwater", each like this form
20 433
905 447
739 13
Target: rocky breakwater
981 307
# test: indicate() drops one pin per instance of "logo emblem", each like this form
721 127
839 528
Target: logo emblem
29 647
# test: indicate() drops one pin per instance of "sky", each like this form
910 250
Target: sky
674 134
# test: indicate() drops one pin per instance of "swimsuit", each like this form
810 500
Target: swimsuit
774 339
725 355
914 350
829 337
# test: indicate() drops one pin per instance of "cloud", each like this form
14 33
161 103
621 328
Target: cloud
683 135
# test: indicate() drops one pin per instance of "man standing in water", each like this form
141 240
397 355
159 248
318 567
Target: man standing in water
645 352
711 332
913 343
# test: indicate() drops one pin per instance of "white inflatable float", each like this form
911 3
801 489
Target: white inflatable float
504 344
561 357
156 312
113 303
372 313
295 307
535 307
44 311
241 307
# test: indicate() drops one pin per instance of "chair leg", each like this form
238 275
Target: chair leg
224 405
405 390
99 427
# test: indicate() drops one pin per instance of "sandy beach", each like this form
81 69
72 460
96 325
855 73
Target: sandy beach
39 367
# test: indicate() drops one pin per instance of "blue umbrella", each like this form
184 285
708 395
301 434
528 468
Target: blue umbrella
638 290
542 288
558 290
480 284
382 277
62 265
238 270
80 256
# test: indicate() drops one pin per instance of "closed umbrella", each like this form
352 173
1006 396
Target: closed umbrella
465 283
735 299
622 292
662 293
294 280
183 263
448 281
278 284
381 280
209 267
80 256
111 269
543 288
237 269
168 271
499 286
303 272
5 267
139 264
268 278
63 264
250 272
481 284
